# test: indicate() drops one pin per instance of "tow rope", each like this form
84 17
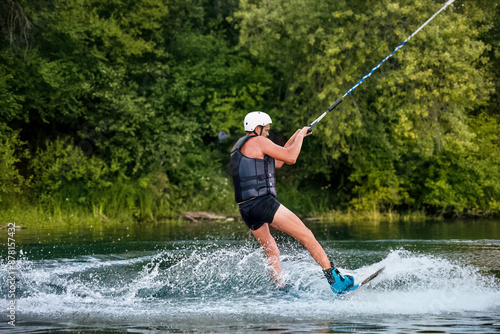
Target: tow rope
338 101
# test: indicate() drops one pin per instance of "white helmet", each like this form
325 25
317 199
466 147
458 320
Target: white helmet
255 118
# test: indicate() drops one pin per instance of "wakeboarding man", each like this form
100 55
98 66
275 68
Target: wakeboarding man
254 159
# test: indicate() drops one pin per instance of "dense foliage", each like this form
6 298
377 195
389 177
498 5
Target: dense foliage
115 106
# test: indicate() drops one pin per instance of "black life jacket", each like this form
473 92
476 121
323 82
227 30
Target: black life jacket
251 177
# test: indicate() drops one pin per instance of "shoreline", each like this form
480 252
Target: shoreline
32 215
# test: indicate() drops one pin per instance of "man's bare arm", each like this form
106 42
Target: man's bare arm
288 154
280 163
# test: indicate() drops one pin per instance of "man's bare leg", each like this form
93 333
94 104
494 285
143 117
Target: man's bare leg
287 222
268 243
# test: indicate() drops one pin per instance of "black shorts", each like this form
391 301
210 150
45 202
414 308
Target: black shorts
258 211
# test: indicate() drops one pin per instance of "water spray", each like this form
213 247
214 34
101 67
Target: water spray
338 101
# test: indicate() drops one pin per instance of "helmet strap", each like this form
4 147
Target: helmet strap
261 130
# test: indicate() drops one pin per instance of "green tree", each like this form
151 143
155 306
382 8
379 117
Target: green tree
412 113
135 87
120 102
12 148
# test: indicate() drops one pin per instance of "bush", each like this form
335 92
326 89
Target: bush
66 178
11 153
63 173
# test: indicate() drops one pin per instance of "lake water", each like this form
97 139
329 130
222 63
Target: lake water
440 277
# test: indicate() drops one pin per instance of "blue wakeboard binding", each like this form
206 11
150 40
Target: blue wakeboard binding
338 283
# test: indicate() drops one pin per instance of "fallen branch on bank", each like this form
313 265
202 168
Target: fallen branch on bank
195 216
17 227
312 219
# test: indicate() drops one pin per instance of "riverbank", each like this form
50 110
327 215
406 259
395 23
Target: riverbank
29 215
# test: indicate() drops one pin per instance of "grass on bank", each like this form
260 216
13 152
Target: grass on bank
376 216
112 211
28 215
157 201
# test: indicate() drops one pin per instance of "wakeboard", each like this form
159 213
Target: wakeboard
355 287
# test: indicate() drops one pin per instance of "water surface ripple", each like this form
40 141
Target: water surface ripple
215 280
